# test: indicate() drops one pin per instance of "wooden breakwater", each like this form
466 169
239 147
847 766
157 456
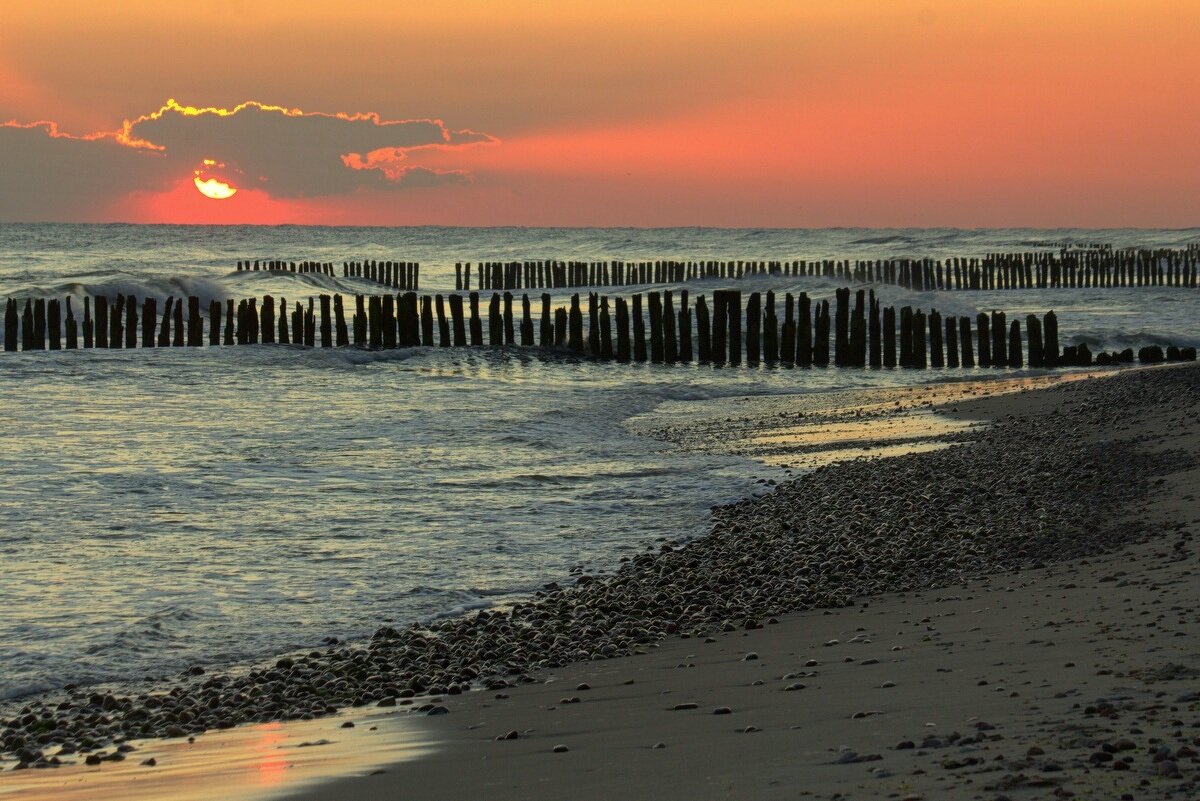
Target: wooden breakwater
395 274
1068 268
659 327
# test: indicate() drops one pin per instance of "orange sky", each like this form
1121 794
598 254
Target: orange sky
847 112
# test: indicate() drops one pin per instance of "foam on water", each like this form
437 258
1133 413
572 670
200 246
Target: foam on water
175 507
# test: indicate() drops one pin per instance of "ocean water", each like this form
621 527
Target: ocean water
167 508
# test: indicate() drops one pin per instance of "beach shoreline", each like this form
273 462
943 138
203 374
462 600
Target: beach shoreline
459 743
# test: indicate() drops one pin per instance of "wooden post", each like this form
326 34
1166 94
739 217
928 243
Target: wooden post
526 322
703 331
476 324
787 347
919 351
310 326
984 340
804 331
495 323
456 319
857 353
720 326
770 330
339 317
179 338
509 333
267 320
1050 351
326 321
11 324
101 322
936 357
906 337
606 348
114 322
951 341
251 319
439 304
593 334
575 338
1014 344
360 320
875 332
999 341
150 322
639 330
427 318
54 325
623 349
670 340
195 330
889 336
965 347
685 328
72 329
735 326
131 323
375 321
821 342
656 328
546 328
214 323
842 325
1034 328
89 326
753 321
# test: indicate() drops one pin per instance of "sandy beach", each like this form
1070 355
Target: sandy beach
1007 611
1079 678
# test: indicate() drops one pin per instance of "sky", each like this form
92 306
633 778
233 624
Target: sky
809 113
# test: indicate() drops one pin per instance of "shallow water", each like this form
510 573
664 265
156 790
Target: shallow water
175 507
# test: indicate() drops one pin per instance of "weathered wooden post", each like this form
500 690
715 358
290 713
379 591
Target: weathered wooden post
965 347
267 320
214 323
821 345
670 340
906 337
656 328
753 319
1014 344
575 337
179 337
1050 351
89 326
889 336
787 347
310 326
919 352
999 334
101 322
53 325
72 329
546 326
560 327
606 348
131 322
875 332
720 326
476 323
936 357
339 317
495 323
842 326
685 328
856 353
703 331
375 321
984 338
804 331
951 341
443 322
326 320
593 332
623 349
251 319
195 329
115 328
770 330
639 330
427 319
734 314
457 320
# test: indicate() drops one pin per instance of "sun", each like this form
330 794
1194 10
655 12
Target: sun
214 188
217 190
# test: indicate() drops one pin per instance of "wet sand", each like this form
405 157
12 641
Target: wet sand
1079 677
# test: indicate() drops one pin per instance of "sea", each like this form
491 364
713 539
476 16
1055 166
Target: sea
174 507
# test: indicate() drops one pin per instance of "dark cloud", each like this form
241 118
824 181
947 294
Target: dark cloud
45 174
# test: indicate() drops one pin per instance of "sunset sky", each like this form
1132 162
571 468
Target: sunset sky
514 112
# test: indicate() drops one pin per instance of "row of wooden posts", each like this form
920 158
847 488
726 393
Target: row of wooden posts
1066 269
395 274
863 333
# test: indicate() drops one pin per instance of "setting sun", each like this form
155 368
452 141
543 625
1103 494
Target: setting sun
217 190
